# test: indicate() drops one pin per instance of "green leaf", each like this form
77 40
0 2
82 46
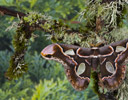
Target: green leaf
100 10
32 3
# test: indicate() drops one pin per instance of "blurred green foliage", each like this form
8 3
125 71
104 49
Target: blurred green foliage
45 80
17 89
61 91
4 63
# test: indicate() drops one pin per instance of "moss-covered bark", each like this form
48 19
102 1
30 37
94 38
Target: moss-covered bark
101 23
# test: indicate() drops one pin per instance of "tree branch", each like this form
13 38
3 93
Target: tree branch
10 12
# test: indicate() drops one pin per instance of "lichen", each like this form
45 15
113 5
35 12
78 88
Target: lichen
111 30
116 35
111 15
20 43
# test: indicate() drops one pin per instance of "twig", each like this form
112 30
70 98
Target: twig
10 12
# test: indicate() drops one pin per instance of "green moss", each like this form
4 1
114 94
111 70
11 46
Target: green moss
61 32
111 14
94 77
20 43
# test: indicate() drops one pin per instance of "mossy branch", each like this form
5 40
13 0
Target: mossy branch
20 43
108 13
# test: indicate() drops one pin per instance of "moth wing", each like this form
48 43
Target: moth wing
67 55
112 68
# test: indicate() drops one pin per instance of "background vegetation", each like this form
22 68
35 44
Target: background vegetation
45 80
